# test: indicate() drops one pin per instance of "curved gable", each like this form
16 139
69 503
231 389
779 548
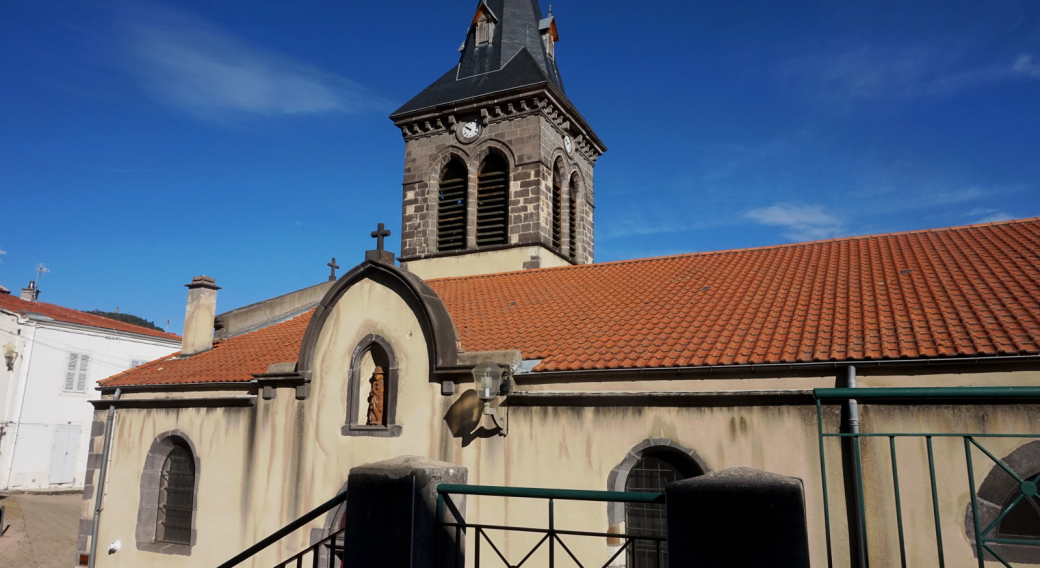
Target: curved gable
437 327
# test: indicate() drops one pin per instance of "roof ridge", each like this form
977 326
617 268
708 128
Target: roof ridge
148 332
749 249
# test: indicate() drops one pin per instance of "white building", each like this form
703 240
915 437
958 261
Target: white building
53 358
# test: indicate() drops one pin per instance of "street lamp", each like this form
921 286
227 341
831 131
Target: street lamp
488 381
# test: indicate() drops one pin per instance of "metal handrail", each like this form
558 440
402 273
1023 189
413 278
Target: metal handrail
544 493
983 541
552 534
286 530
921 393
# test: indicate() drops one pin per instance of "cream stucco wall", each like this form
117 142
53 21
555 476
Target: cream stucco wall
263 466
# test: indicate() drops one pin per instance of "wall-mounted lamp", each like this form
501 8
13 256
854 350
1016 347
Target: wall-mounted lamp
10 355
488 379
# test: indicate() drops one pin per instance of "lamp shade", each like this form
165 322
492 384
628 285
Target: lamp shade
488 379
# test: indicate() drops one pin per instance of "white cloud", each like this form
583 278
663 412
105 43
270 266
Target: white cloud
191 65
1024 66
876 73
983 215
799 222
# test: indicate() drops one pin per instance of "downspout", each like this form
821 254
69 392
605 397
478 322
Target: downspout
102 477
860 520
23 386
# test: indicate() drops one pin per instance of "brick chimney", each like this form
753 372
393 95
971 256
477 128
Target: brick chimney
198 317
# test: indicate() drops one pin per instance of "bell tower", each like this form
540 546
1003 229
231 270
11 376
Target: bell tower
498 168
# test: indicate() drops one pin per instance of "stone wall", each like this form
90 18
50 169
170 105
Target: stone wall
532 141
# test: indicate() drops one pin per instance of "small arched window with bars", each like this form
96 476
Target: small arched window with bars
492 201
451 208
572 218
557 208
176 497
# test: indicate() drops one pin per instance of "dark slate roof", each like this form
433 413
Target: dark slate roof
515 58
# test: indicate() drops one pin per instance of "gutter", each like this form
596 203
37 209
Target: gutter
671 372
102 478
23 384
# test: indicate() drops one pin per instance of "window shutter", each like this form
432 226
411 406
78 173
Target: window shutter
84 365
70 371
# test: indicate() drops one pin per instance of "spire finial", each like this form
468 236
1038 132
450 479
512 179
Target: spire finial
550 9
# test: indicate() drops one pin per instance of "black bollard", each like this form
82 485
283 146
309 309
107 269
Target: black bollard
737 518
391 514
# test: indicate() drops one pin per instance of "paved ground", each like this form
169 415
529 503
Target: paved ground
42 531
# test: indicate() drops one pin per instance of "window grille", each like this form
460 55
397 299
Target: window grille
572 221
557 210
451 208
176 497
76 372
649 475
1023 521
492 202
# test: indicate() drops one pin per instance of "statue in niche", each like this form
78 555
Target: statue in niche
375 398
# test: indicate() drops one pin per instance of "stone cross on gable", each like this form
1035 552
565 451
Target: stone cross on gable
378 235
333 266
380 254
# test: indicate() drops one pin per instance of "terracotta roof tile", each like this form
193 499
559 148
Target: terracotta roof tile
230 361
965 291
69 315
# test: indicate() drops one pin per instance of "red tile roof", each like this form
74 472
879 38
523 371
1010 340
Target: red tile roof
965 291
232 360
69 315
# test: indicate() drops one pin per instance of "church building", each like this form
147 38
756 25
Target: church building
616 376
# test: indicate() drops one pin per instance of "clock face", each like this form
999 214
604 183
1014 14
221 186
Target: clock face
470 130
567 144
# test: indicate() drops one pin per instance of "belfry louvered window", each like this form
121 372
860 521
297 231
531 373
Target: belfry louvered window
557 210
572 219
451 208
492 202
176 497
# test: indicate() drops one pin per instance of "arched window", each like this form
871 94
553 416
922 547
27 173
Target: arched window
451 208
492 201
372 394
1023 521
657 468
168 500
176 497
572 218
1003 496
557 208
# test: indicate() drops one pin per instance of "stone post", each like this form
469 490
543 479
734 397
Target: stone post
737 518
391 514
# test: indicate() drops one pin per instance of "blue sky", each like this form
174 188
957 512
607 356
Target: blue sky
144 143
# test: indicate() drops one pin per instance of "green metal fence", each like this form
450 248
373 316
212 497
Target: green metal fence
551 534
987 543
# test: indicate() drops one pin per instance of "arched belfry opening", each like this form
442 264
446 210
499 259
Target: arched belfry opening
493 201
572 218
557 207
451 207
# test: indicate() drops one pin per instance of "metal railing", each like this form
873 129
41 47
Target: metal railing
328 544
551 534
986 542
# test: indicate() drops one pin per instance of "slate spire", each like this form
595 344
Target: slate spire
515 56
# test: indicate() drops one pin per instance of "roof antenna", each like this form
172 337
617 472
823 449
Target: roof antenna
40 270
